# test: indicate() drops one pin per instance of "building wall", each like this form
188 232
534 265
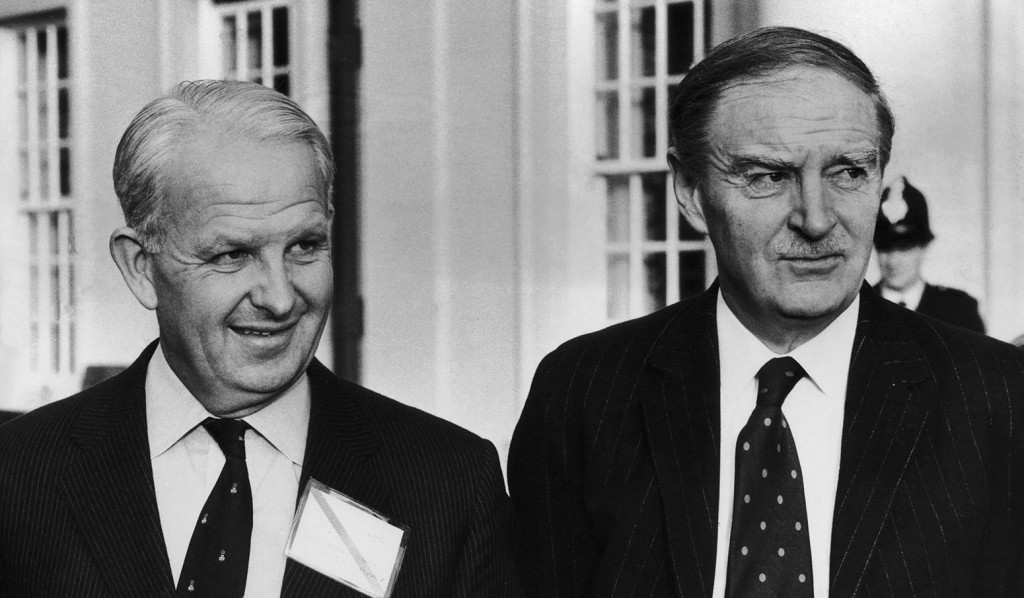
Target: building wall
440 243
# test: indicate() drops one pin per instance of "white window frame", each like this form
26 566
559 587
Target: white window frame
39 308
636 247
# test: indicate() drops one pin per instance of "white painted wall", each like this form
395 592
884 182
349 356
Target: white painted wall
439 211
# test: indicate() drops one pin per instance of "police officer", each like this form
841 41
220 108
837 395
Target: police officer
902 235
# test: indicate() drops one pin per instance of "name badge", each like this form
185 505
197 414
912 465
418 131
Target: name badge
346 541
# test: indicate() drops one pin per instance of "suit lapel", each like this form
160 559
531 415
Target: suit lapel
681 413
884 415
339 445
109 487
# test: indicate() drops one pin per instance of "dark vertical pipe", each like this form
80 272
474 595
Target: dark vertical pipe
345 60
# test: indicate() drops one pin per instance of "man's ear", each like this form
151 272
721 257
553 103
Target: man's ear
688 193
135 264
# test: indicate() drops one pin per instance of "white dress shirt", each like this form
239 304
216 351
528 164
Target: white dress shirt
814 409
910 298
187 462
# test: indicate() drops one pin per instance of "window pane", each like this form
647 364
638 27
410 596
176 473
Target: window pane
282 84
680 37
62 53
642 41
618 286
607 46
228 45
22 58
254 32
71 325
654 279
653 185
618 209
23 173
33 236
607 125
22 123
71 244
53 235
645 123
44 174
63 113
34 345
65 172
691 273
43 114
280 18
55 321
41 50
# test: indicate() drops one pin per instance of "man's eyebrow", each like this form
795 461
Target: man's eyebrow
741 162
867 157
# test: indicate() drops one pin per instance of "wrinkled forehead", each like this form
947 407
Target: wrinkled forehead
792 90
799 105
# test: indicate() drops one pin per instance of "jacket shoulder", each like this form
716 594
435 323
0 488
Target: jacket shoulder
634 334
39 430
402 427
951 294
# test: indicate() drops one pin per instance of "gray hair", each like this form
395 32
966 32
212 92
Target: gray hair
248 110
757 55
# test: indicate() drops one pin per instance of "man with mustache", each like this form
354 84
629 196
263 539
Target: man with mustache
788 432
181 476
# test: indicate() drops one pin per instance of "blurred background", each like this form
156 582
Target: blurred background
502 183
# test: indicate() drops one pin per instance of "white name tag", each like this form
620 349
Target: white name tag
346 541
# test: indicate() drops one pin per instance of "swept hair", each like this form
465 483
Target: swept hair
247 110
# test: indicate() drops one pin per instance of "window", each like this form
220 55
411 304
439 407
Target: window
643 47
254 43
45 198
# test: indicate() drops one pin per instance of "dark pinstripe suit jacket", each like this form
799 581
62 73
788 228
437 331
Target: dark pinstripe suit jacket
613 468
78 513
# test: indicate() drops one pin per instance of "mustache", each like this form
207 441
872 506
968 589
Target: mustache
801 248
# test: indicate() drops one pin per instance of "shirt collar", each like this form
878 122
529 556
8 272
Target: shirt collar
172 412
742 354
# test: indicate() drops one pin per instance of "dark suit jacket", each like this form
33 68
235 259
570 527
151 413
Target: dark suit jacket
78 513
613 468
952 306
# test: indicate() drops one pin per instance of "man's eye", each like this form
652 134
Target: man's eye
767 182
306 249
228 258
850 178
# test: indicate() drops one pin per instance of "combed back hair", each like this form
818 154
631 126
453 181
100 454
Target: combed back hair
748 58
247 110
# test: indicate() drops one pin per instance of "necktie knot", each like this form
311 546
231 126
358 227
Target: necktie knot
229 434
776 379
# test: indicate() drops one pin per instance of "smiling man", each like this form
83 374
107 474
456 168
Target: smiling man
181 476
788 432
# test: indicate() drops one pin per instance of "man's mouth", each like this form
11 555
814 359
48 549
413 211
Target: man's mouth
261 332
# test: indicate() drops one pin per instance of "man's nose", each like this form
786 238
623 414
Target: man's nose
274 291
813 212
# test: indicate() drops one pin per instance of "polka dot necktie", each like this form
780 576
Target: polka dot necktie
769 548
217 560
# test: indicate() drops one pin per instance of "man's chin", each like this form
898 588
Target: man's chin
817 304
